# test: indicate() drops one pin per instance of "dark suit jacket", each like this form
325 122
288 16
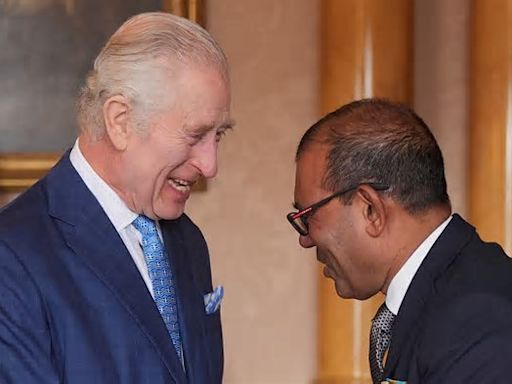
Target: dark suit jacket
75 309
455 323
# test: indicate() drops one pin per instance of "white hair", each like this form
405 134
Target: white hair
137 61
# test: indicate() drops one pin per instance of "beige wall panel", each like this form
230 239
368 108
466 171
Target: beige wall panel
491 60
441 84
366 50
269 310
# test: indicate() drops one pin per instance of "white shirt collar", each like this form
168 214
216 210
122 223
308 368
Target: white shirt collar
400 283
115 208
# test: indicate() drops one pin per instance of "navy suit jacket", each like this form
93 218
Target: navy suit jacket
455 323
74 307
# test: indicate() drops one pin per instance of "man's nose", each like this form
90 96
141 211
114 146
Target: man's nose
205 158
306 241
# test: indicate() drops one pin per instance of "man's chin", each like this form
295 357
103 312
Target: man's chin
346 292
166 215
342 293
169 211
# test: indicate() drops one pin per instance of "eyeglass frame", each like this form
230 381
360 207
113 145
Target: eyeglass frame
293 217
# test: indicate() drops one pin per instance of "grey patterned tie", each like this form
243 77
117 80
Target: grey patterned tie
380 337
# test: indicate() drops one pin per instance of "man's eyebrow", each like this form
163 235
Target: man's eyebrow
230 124
203 129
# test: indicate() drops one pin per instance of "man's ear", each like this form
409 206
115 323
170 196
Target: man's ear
116 116
373 210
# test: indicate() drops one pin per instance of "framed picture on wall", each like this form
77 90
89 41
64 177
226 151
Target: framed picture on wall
46 49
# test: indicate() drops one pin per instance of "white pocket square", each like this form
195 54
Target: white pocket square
212 300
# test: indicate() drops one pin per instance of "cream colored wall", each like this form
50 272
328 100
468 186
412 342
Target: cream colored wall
441 84
269 316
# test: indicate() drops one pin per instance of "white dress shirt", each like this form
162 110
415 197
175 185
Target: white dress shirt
400 283
118 213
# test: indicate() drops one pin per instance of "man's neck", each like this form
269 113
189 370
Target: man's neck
99 156
407 234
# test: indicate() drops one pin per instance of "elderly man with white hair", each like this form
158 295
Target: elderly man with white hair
103 279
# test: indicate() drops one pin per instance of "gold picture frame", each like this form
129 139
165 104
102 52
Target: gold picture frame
191 9
18 171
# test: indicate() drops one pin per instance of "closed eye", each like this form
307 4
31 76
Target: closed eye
220 134
201 132
305 217
194 139
221 131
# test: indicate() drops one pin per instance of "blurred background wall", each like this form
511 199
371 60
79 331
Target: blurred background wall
441 84
269 309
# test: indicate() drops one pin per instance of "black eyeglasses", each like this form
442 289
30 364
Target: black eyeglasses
299 219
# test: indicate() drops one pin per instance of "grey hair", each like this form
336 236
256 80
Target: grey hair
384 142
138 59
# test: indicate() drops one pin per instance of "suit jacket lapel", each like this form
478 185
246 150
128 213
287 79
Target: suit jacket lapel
455 236
190 304
90 234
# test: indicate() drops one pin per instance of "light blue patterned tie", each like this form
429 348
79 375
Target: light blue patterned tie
161 278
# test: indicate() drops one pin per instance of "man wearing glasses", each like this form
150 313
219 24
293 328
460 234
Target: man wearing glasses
370 194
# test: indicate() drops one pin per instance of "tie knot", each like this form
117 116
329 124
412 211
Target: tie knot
145 225
383 319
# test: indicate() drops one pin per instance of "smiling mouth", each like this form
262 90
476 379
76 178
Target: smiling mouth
181 185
